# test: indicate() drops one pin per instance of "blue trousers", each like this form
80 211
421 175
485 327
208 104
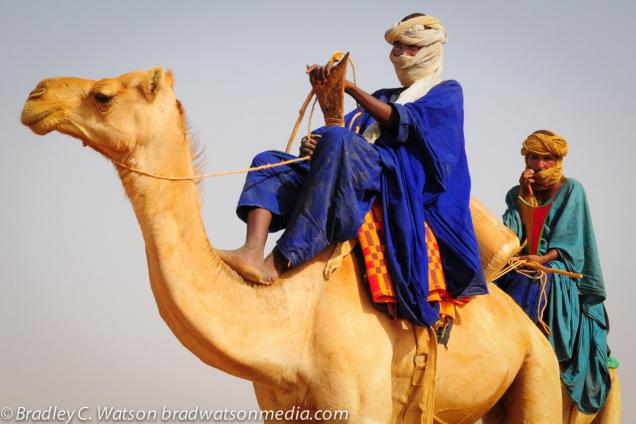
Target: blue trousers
319 202
526 292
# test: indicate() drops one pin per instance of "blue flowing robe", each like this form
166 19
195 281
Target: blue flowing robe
575 311
420 173
425 177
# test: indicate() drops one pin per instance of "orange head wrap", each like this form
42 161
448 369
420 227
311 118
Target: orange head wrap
545 142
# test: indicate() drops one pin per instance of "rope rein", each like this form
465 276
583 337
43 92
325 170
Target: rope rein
211 174
335 57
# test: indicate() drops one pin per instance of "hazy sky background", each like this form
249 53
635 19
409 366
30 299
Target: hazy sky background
78 323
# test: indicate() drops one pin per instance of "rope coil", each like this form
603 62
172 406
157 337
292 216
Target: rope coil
540 275
536 271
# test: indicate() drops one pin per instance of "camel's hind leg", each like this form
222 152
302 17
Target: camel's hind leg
535 394
611 411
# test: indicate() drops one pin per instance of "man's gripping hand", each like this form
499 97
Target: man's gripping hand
308 144
318 74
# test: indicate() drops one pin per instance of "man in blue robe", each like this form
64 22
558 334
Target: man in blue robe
573 308
407 148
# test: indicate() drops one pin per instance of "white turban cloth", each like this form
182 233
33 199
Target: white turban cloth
418 73
426 32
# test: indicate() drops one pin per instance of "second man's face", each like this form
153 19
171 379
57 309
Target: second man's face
540 162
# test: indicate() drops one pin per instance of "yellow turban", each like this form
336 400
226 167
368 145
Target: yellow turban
546 142
426 32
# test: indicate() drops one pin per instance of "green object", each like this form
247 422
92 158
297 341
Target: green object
612 362
575 311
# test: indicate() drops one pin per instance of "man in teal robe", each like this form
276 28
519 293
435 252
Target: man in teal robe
575 312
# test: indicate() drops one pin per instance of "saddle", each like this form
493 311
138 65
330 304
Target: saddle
330 93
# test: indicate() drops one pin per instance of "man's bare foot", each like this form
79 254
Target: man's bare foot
247 262
275 264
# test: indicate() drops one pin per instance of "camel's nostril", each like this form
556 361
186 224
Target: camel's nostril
37 93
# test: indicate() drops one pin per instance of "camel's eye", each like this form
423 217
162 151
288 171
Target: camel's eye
102 98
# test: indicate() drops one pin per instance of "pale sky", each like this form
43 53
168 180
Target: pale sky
78 323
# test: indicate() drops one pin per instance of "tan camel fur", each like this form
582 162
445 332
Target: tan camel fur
322 344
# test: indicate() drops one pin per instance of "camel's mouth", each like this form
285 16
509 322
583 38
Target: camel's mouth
39 120
30 118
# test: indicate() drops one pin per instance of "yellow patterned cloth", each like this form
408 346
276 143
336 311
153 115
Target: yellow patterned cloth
436 280
371 238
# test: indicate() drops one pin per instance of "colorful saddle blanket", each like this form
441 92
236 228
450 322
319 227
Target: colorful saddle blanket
371 238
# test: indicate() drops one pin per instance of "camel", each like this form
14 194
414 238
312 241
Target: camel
304 342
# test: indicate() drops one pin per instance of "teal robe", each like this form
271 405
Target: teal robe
575 311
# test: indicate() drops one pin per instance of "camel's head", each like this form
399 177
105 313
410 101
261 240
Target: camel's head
113 115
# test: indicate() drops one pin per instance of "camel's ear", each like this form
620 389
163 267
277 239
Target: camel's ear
151 84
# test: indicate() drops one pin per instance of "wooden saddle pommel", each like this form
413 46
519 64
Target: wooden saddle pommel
330 93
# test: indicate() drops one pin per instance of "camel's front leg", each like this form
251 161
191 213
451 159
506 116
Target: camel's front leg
364 395
339 401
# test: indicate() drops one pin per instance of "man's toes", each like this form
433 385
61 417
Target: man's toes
250 274
269 278
266 281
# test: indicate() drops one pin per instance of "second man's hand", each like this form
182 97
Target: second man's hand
525 183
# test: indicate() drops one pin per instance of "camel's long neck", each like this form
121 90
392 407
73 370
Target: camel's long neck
241 329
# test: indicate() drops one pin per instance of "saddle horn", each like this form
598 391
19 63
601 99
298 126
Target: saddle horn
330 93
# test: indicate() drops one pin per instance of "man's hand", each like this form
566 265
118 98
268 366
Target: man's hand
308 144
318 73
525 183
381 111
533 258
552 255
